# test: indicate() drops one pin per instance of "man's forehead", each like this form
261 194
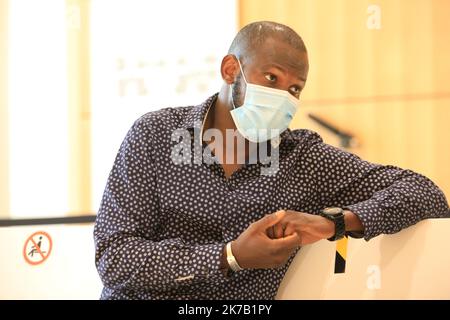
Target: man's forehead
280 54
293 63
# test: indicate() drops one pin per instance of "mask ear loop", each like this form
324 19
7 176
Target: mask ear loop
231 89
232 100
242 71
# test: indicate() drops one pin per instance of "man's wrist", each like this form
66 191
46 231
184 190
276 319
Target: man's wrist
352 222
224 266
232 263
336 216
355 228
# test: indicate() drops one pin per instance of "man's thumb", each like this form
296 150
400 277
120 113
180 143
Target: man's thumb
270 220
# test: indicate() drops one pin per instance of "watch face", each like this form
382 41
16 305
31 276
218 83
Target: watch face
332 211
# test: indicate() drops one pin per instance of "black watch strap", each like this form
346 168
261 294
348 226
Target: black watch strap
339 229
337 216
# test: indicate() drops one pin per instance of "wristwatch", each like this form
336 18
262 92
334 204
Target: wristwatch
337 216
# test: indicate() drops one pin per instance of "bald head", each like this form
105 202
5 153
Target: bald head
253 36
268 54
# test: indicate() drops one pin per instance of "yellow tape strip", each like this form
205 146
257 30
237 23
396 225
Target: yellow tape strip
341 247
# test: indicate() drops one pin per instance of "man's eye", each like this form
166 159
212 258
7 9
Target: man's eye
295 90
271 77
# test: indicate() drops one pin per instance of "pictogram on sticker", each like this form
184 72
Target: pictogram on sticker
37 248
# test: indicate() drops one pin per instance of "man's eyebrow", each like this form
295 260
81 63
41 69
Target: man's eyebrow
277 66
274 65
301 78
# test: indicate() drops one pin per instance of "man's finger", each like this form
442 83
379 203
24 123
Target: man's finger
292 241
269 220
278 228
270 232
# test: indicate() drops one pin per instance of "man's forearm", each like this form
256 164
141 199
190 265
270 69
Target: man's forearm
145 264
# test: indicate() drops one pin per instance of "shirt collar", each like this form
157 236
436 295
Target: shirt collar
196 116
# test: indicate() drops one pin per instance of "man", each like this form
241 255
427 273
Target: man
176 225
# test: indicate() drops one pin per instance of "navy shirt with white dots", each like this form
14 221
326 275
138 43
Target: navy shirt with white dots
162 226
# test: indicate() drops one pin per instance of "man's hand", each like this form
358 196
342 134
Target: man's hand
309 227
253 249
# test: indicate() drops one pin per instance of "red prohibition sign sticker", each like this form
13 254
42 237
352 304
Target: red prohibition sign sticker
37 248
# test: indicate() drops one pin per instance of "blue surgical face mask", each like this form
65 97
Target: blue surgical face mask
265 113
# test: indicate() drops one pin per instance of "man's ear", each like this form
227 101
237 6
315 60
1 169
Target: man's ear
229 68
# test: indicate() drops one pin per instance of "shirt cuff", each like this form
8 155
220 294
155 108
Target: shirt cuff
369 213
203 264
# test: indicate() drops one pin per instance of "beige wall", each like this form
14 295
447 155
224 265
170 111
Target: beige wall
78 64
389 87
78 104
4 175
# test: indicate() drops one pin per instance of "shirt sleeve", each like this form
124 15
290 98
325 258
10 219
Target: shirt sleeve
386 198
129 254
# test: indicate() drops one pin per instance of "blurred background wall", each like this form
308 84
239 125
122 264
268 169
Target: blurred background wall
4 160
379 70
75 74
